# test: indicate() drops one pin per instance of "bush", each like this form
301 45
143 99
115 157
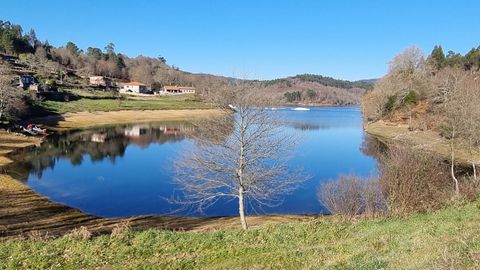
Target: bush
414 181
390 105
351 195
410 98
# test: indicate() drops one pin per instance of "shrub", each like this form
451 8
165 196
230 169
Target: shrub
120 229
81 233
351 195
410 98
390 105
414 181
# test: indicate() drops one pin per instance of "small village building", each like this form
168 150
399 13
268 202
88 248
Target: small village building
134 88
171 89
25 81
100 81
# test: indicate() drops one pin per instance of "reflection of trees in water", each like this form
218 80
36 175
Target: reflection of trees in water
98 144
373 147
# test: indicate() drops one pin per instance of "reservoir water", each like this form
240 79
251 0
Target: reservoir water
126 170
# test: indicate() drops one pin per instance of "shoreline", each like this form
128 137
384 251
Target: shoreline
100 118
428 140
23 212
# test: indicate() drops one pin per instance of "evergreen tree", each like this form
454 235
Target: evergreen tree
438 57
72 48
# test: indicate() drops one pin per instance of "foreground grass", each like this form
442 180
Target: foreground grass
108 104
446 239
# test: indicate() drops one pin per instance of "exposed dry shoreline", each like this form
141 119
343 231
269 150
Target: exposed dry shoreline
24 212
89 119
427 140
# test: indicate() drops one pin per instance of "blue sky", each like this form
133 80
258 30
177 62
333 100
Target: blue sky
257 39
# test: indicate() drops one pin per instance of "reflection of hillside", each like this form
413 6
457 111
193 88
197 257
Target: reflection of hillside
304 126
98 144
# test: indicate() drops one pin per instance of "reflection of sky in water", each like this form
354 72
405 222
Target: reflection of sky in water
138 182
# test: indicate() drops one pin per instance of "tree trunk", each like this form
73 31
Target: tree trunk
474 171
241 208
452 167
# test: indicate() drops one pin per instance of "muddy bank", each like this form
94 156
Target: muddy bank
24 212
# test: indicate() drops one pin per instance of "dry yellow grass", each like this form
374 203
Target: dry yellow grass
11 141
428 140
87 119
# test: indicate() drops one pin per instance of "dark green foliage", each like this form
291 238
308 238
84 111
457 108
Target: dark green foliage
12 40
438 57
390 105
311 94
470 61
95 53
72 48
329 81
454 59
410 98
293 96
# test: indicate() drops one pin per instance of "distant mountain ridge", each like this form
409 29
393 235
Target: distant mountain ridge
366 84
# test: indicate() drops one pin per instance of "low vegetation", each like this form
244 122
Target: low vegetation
107 104
445 239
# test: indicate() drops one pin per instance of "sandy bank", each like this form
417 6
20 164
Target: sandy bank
88 119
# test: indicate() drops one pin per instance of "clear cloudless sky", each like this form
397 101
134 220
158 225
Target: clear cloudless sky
261 39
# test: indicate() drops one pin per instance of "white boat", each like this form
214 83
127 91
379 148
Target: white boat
232 107
301 109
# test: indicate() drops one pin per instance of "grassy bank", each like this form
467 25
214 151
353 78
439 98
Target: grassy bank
129 103
446 239
427 140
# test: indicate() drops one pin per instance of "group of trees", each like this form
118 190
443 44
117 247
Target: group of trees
469 61
447 86
14 41
323 80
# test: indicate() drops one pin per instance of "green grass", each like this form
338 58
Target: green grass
154 103
448 238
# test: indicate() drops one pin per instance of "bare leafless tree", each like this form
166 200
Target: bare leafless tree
453 102
242 157
350 195
11 98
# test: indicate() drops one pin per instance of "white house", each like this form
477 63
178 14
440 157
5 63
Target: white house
100 81
134 87
170 89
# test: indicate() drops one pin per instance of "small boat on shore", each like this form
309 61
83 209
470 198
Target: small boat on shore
34 130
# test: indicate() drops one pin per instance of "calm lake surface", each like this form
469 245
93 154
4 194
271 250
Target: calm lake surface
126 170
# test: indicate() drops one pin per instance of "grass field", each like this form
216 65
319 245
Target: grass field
446 239
108 104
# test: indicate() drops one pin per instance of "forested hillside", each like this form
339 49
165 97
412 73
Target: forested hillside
69 67
437 97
